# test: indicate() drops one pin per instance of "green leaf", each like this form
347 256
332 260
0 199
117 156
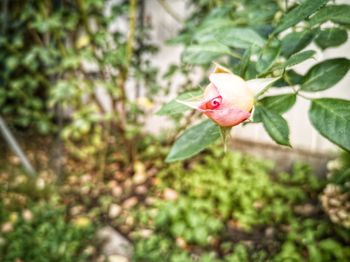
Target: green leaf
295 59
299 58
331 118
174 108
239 37
224 31
278 104
193 141
257 12
267 58
299 13
325 75
207 30
336 13
245 62
276 126
314 252
333 247
182 38
204 53
296 41
331 37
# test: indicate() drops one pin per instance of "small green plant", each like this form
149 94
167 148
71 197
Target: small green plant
43 233
234 210
35 225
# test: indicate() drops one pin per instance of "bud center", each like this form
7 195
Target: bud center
213 103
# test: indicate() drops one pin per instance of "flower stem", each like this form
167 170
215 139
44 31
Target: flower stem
225 133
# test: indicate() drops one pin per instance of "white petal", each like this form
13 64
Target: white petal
227 83
257 85
233 90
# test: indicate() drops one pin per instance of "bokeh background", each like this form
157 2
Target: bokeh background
83 175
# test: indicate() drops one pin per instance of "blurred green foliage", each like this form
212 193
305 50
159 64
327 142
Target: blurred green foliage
35 222
215 207
230 208
43 233
58 57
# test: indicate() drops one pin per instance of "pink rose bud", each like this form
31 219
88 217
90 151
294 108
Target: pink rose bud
228 100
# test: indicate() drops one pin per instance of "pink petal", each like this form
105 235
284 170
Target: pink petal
210 93
212 104
227 117
233 89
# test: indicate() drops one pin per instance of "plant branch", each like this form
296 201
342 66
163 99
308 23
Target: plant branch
131 36
263 91
295 91
124 71
303 96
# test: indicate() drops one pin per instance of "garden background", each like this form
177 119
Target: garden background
101 160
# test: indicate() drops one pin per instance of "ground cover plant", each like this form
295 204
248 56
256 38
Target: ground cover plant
203 210
221 211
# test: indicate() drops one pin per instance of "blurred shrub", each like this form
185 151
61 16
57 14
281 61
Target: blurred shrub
58 57
230 208
35 223
237 187
43 233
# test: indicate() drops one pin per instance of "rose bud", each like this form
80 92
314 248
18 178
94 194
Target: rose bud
228 100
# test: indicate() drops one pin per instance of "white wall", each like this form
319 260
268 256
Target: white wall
302 135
